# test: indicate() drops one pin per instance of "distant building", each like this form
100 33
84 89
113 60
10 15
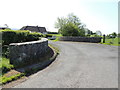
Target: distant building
35 29
98 33
3 27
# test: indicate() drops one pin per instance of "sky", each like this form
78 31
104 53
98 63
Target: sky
95 14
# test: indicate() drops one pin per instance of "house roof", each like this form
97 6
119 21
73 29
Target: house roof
2 27
34 29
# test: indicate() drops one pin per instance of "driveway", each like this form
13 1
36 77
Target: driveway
79 65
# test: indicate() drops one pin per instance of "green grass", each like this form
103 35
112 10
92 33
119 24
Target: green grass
57 35
57 39
4 79
5 62
55 48
112 41
5 65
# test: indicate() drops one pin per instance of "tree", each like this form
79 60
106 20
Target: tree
88 32
60 23
118 34
99 33
70 26
114 34
74 19
70 29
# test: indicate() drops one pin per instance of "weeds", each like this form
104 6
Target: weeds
4 80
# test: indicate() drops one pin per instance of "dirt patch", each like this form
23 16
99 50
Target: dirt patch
11 73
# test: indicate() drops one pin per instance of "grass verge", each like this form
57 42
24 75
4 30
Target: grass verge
5 68
113 41
12 75
55 48
4 79
5 65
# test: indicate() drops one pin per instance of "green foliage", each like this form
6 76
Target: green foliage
118 34
70 26
33 36
60 23
55 48
57 35
5 65
16 36
70 29
4 79
5 51
88 35
112 35
52 32
95 35
112 41
48 35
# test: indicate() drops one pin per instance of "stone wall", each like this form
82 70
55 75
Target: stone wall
26 53
81 39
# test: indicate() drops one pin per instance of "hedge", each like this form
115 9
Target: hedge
17 36
52 32
48 35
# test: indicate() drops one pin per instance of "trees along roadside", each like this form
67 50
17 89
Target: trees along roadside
70 26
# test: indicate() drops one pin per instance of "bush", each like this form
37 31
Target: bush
33 36
95 35
88 35
70 29
48 35
5 65
52 32
17 36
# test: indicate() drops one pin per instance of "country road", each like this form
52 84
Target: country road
79 65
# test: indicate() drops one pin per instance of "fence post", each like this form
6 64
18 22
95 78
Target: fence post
104 38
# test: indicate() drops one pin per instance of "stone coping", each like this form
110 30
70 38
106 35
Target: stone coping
31 42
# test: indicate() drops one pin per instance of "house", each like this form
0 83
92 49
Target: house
35 29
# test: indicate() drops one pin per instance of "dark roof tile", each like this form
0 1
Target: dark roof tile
34 29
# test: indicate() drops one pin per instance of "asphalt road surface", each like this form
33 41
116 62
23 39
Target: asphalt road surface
79 65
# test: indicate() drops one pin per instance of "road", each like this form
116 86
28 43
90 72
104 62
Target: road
79 65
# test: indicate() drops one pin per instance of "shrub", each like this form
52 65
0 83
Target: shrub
52 32
95 35
5 65
17 36
5 51
48 35
88 35
33 36
70 29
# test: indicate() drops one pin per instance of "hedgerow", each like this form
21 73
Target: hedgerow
17 36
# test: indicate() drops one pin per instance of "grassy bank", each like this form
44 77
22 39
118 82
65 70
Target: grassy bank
6 70
112 41
5 65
